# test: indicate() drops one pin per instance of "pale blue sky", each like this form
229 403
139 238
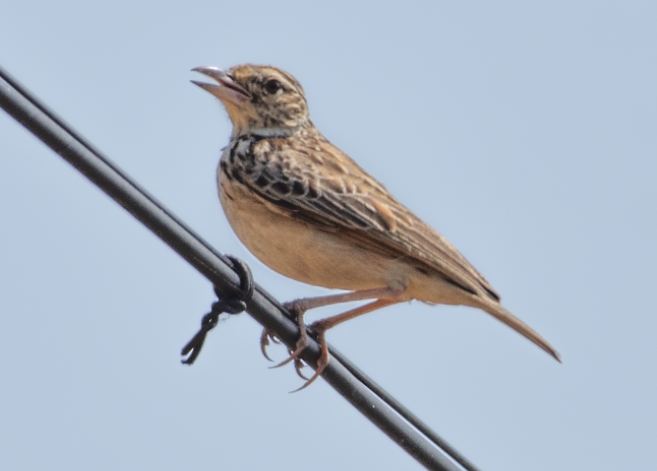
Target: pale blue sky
523 131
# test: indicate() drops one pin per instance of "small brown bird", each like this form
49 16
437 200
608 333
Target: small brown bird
309 212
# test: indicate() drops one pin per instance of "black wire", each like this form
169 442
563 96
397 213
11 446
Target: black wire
235 304
370 399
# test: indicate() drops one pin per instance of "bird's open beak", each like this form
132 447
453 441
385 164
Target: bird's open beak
227 88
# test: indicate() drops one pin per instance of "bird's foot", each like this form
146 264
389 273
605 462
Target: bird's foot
319 328
297 309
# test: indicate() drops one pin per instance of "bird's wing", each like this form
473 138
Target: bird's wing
324 187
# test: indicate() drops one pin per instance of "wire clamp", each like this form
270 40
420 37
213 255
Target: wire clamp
229 304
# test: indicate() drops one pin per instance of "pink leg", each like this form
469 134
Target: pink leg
299 307
306 304
321 326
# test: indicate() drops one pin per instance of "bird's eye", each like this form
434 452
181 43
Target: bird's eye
272 86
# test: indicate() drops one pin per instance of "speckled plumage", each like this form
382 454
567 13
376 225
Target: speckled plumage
310 212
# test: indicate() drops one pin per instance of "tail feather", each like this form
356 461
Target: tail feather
501 314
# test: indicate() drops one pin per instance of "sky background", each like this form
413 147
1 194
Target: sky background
525 132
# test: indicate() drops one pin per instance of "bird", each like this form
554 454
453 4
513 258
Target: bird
311 213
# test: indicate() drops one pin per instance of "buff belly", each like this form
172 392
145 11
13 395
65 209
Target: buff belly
295 248
306 253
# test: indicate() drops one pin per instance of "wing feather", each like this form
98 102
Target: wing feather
341 196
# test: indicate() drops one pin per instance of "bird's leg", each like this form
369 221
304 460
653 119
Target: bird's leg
298 308
321 326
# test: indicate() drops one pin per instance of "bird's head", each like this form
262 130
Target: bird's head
259 99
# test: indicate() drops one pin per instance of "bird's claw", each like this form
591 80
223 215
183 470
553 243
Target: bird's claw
322 361
264 342
299 365
297 309
301 345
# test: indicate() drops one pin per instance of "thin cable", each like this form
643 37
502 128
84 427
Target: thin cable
369 398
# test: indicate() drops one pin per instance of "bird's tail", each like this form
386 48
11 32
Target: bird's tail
501 314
